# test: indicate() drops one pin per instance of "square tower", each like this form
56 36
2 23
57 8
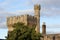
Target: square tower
37 9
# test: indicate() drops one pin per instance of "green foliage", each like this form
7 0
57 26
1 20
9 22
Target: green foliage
23 32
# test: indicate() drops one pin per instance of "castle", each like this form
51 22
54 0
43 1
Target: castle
30 21
48 36
26 19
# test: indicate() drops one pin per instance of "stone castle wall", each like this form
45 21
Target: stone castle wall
32 20
26 19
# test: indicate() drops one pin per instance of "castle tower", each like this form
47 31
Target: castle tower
44 28
37 15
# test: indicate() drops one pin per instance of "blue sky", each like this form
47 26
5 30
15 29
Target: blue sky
50 13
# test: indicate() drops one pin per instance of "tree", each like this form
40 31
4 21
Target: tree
23 32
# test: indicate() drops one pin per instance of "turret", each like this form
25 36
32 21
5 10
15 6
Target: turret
37 15
43 28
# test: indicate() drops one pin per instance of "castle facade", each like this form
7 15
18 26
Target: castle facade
26 19
30 21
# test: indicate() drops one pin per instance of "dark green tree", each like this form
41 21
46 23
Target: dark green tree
23 32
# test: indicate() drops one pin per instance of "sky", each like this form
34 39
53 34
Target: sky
49 13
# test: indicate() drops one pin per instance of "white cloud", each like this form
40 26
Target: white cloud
4 13
50 12
28 11
47 2
46 10
49 8
3 25
52 26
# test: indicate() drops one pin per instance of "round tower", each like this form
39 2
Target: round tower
43 28
37 15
